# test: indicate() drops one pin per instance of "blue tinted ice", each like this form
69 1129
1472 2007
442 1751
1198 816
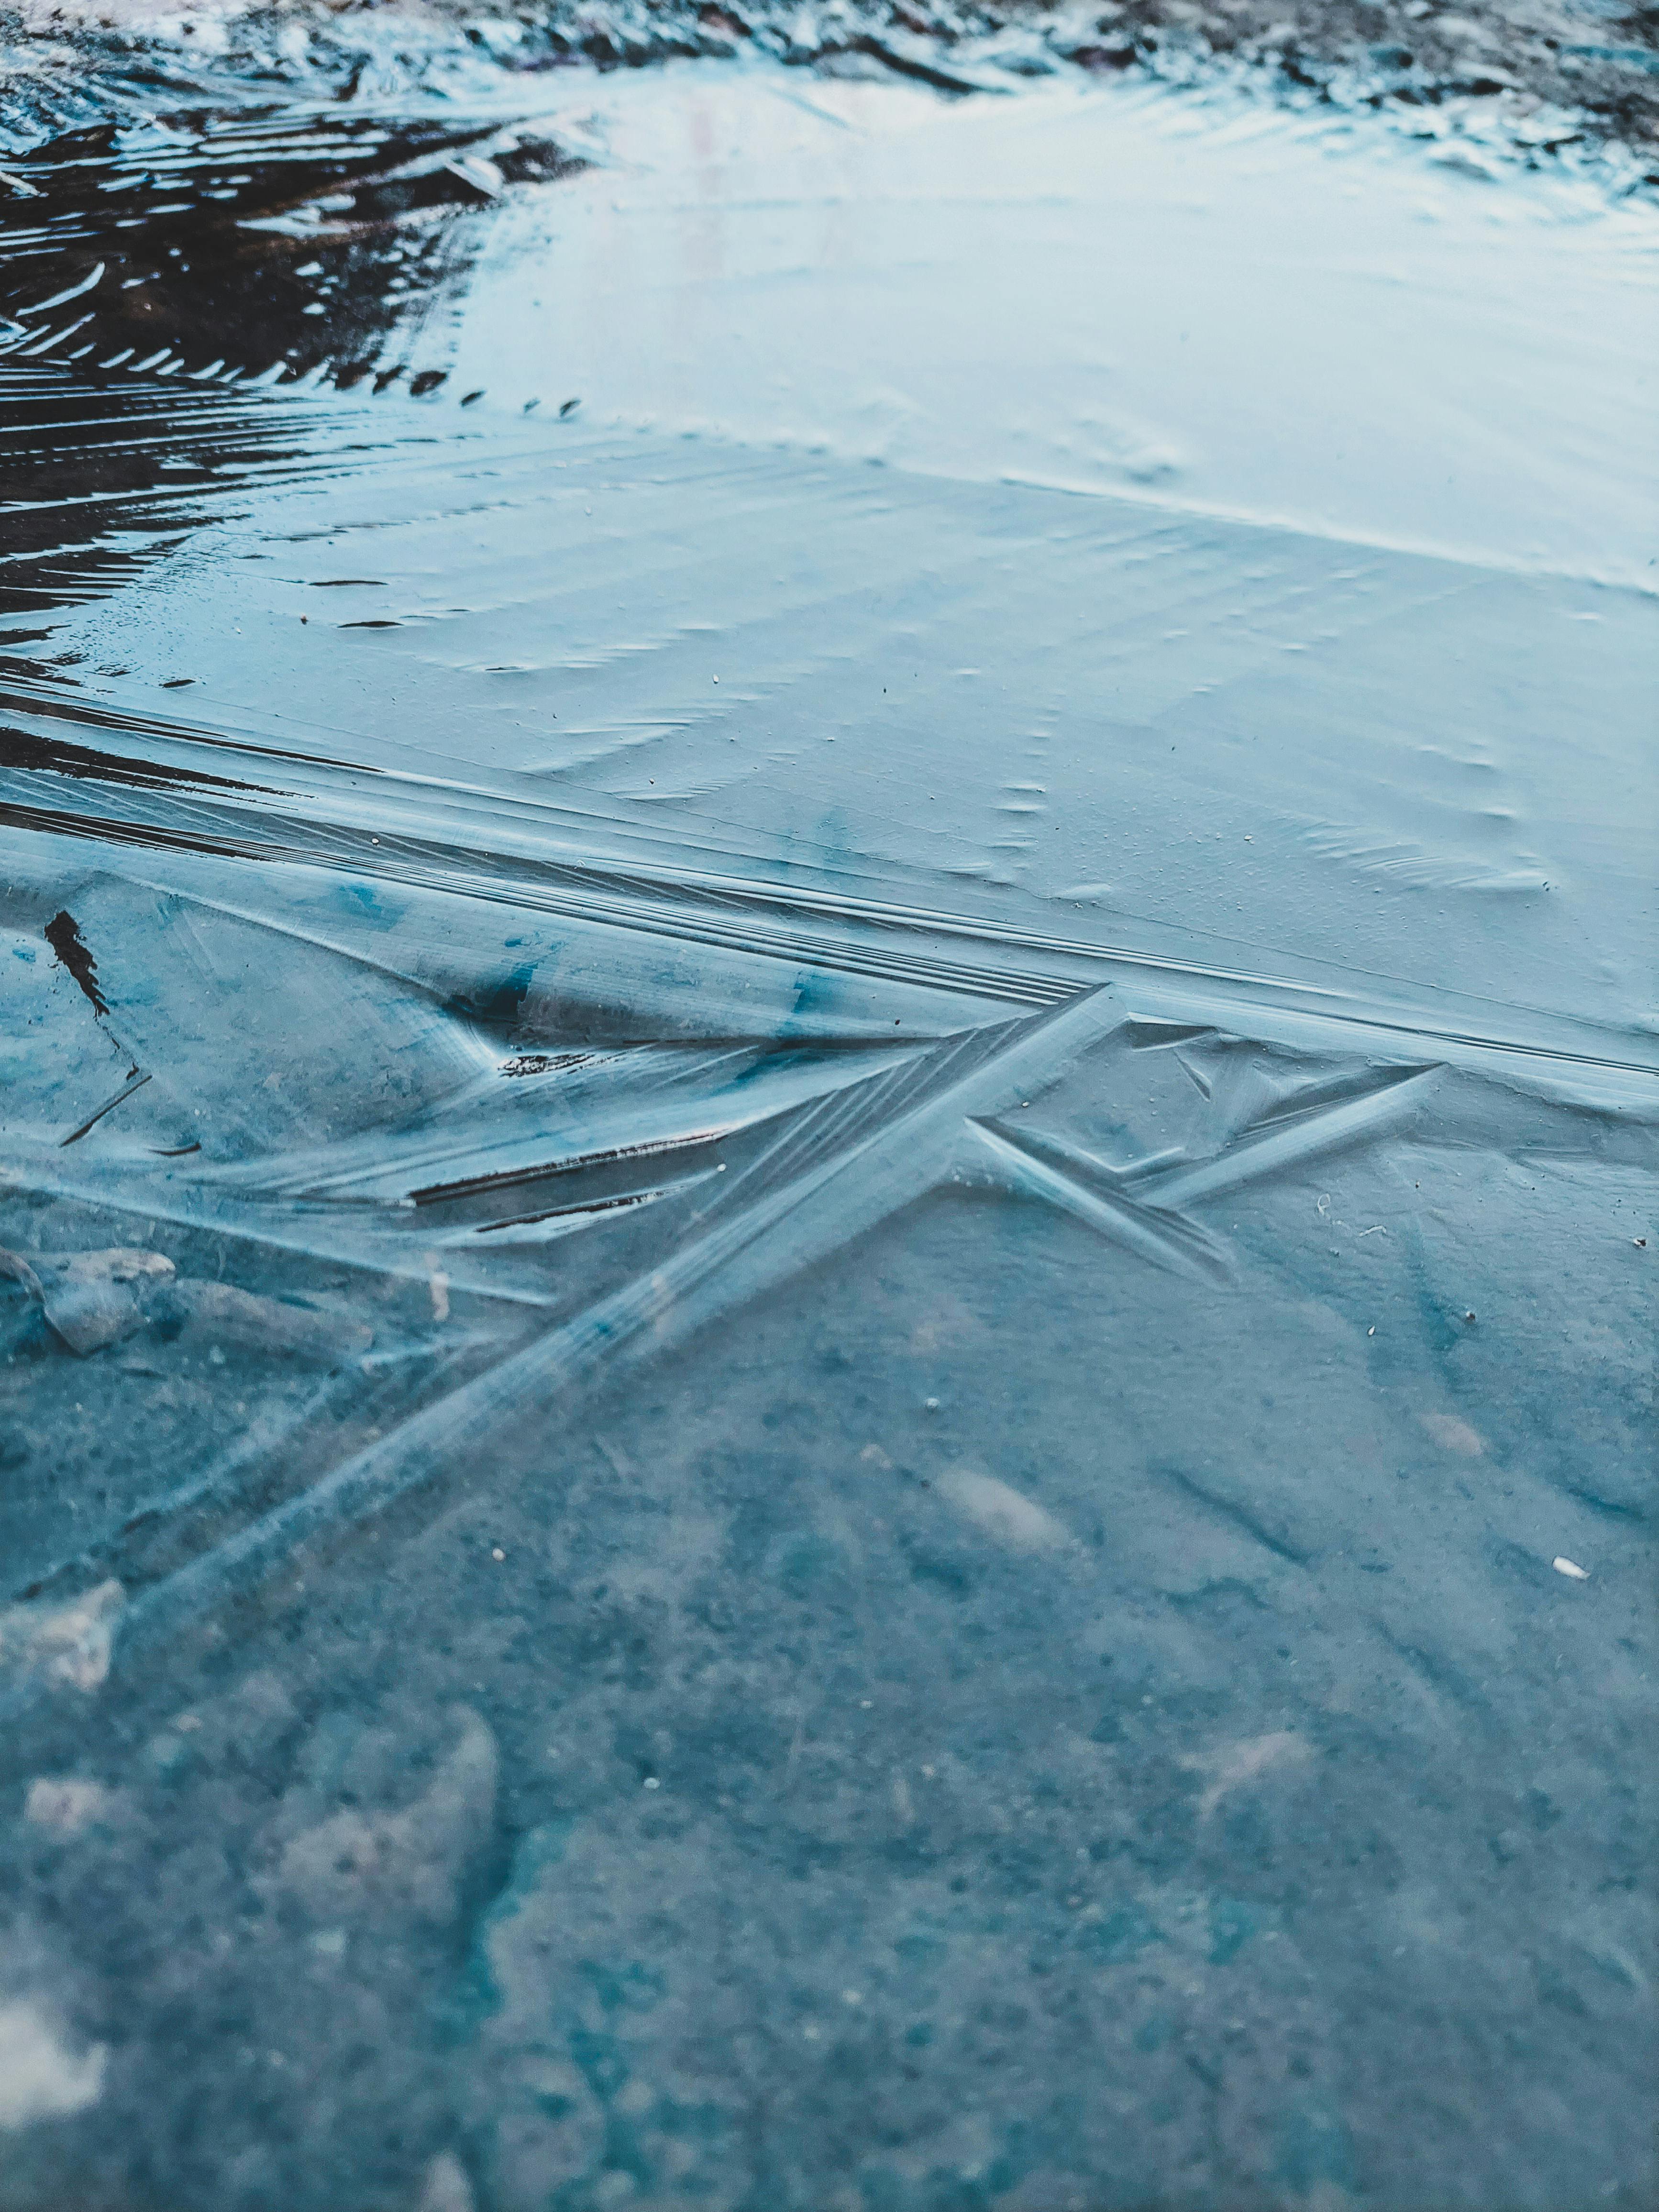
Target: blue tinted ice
825 1346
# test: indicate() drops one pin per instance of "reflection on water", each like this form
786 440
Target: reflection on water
283 238
276 243
785 1413
100 480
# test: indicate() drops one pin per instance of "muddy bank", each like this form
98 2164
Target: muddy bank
1546 74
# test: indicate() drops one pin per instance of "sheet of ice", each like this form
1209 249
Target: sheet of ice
1196 303
1103 723
827 1291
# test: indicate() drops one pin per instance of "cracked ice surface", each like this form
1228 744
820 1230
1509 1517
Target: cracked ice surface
810 1270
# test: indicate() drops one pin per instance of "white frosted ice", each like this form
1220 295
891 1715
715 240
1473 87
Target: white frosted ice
40 2077
1191 301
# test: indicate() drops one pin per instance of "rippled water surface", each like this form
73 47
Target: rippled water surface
827 1062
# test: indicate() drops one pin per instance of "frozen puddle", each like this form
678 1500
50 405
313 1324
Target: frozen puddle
1203 305
948 1161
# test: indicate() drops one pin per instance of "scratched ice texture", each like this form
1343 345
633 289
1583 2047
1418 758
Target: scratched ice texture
826 1187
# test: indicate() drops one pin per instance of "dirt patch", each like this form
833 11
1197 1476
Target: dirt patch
1583 72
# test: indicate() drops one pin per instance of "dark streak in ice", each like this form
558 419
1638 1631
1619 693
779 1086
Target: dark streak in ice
63 934
433 1194
20 749
135 1081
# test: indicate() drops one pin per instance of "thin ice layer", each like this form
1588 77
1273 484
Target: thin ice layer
1201 304
1092 720
886 1419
